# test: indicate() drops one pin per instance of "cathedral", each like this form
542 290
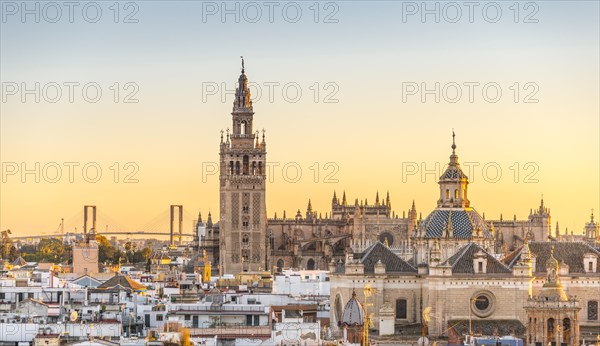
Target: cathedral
245 239
472 278
471 274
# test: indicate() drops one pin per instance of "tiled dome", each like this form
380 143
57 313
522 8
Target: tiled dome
353 312
461 223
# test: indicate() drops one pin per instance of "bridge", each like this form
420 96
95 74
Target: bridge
153 228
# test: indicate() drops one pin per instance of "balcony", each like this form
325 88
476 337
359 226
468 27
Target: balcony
233 332
226 309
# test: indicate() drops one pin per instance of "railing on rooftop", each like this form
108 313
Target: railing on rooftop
230 331
221 308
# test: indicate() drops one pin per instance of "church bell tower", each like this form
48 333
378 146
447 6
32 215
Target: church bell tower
243 226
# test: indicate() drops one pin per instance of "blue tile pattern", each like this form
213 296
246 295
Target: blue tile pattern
461 223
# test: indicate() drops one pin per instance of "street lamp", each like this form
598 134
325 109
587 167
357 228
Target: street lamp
471 302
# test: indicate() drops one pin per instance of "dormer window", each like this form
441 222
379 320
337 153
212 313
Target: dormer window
447 193
479 263
456 194
590 263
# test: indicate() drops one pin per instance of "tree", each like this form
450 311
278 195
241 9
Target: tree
9 252
147 252
48 250
51 250
106 252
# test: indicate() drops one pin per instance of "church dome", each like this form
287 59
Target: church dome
353 312
454 217
461 223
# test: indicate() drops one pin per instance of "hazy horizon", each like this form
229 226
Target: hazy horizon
359 116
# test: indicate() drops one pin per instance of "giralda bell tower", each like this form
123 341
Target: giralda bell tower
243 225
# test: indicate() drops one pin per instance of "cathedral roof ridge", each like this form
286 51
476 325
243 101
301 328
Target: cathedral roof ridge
512 257
462 261
379 252
570 252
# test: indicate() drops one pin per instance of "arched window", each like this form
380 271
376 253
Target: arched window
260 168
253 167
550 329
245 239
310 265
279 265
243 128
231 167
338 308
592 309
566 330
455 193
401 308
447 194
237 167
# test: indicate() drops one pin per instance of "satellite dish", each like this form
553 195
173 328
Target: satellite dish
74 316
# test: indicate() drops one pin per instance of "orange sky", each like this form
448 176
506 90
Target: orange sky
351 112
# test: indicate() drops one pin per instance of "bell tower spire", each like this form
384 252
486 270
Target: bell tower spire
242 103
243 212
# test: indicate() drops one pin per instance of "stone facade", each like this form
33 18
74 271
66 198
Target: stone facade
467 283
85 255
243 238
552 316
310 241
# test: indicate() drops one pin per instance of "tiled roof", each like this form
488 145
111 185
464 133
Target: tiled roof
87 281
462 223
571 253
19 261
462 261
488 327
123 281
453 172
160 255
391 261
512 258
353 314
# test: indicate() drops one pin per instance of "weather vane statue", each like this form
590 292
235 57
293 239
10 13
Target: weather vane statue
242 63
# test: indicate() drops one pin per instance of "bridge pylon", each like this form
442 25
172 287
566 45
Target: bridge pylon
172 222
